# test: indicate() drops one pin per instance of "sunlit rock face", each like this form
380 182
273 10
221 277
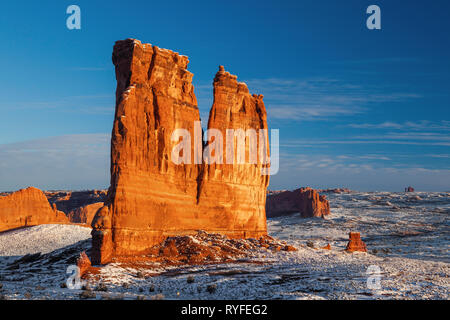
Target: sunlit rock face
28 207
151 197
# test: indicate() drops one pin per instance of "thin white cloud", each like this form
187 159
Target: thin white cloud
408 125
358 173
77 161
90 68
81 104
311 99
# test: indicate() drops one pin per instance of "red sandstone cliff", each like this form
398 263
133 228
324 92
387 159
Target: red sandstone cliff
151 197
27 207
305 201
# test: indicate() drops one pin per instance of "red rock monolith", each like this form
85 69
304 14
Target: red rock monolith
355 243
27 207
151 197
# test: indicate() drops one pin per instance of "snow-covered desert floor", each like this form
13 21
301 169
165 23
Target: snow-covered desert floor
407 236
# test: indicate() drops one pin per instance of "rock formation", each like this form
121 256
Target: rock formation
409 189
151 197
27 207
336 190
84 214
83 263
68 201
206 248
355 243
305 201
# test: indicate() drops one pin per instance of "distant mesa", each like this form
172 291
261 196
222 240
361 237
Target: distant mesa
28 207
152 198
306 201
68 201
336 190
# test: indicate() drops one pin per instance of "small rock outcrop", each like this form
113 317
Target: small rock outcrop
355 243
409 189
84 214
27 207
151 197
306 201
83 263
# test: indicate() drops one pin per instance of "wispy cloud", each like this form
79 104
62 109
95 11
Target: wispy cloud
441 156
315 142
81 104
90 68
364 172
320 98
377 61
311 99
65 162
392 137
310 113
407 125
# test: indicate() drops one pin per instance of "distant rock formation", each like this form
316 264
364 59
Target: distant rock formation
305 201
151 197
355 243
68 201
336 190
27 207
409 189
84 214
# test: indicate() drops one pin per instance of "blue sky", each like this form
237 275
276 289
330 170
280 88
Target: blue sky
364 109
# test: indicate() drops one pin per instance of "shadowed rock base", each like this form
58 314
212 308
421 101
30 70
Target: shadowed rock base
204 248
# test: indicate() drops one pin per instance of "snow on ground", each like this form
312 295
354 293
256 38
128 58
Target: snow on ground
407 236
43 239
